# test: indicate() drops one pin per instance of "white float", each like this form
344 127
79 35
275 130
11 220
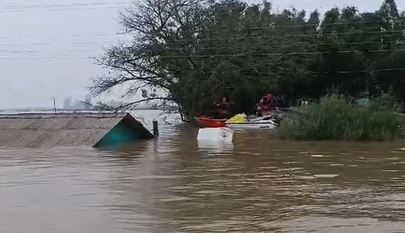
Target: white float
219 135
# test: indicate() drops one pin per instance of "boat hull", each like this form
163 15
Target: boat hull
205 122
265 122
251 125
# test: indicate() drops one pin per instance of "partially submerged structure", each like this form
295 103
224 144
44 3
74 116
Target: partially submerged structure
70 130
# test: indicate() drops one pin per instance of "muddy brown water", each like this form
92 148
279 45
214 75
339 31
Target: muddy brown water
174 184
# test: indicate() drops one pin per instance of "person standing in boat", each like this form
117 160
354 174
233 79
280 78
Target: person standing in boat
267 105
223 108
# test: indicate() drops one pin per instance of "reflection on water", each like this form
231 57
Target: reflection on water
174 184
215 148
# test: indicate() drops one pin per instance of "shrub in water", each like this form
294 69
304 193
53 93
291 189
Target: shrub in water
334 118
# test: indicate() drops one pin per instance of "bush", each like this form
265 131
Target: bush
334 118
386 102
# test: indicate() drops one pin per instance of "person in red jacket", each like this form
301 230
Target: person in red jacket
223 108
267 105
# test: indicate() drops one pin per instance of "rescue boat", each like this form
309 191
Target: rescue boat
266 122
206 122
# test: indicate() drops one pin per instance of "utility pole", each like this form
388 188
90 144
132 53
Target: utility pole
54 103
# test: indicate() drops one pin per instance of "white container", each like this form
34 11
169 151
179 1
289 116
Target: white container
220 135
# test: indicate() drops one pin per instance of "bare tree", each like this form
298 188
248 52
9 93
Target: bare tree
145 63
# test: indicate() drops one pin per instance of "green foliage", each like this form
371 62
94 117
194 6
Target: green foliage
196 51
385 102
335 118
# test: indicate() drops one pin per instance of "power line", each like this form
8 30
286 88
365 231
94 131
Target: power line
196 48
372 70
285 36
305 24
272 45
216 39
72 35
242 54
237 55
226 29
282 54
64 7
50 58
232 55
244 28
314 35
352 71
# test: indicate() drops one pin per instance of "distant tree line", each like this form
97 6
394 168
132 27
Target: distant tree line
197 51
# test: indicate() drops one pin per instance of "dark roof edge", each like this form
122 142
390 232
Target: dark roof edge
64 115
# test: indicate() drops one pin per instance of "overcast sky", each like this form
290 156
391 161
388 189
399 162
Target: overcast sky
46 45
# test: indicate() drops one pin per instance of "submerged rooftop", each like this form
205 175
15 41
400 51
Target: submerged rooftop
69 129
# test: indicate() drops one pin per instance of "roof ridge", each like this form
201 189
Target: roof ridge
62 115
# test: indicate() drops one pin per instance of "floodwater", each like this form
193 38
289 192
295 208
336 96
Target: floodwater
174 184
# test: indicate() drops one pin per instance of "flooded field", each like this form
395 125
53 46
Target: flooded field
173 184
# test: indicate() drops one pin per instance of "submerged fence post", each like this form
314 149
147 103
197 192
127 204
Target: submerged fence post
155 128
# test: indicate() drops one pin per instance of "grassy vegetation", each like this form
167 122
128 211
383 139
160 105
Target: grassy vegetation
335 118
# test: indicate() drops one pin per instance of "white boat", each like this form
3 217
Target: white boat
266 122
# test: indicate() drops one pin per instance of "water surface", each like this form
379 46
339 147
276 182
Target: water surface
174 184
